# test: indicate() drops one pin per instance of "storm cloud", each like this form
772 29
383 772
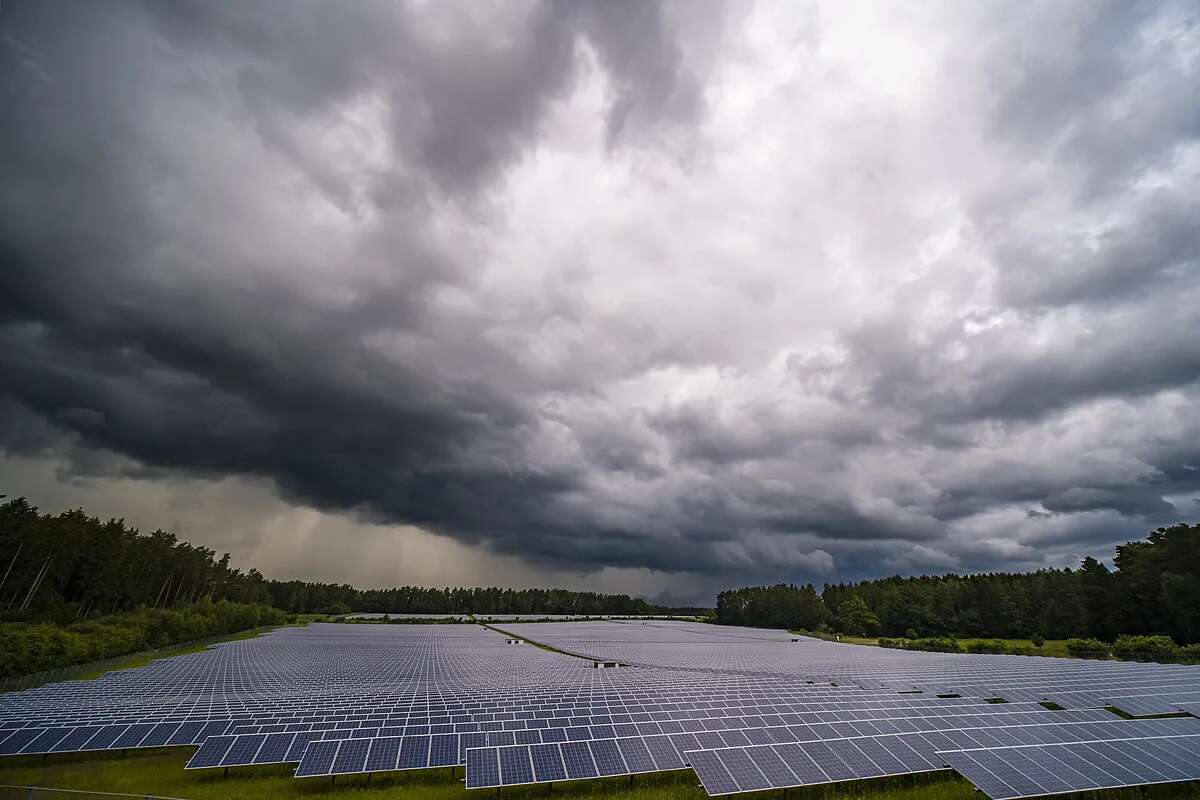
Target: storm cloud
730 292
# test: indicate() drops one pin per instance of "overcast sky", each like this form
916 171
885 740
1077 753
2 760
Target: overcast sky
658 298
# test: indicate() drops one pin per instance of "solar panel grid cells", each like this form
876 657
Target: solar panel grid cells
45 739
547 762
317 758
483 768
745 774
713 774
516 767
578 760
275 748
211 752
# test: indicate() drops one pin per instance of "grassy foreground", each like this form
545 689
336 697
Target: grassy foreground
161 773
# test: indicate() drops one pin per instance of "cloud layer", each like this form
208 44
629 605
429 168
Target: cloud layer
735 292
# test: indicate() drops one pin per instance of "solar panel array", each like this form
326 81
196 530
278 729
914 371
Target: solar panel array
747 709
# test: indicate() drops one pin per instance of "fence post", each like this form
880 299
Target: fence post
30 794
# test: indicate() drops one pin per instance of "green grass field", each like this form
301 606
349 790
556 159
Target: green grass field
161 773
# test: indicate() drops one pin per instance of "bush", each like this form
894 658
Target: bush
36 647
986 646
1087 648
1190 653
898 644
1146 648
1037 640
936 644
911 634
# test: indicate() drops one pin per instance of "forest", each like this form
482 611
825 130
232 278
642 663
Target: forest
1153 588
72 566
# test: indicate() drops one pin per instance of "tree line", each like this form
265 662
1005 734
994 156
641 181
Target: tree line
1154 588
72 566
305 597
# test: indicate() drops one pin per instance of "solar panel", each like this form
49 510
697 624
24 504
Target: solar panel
317 759
483 768
516 766
1033 770
417 697
577 757
211 752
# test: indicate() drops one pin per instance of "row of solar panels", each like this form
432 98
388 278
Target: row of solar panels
1136 704
107 737
370 706
248 724
615 712
1032 771
711 738
529 701
732 770
685 723
719 770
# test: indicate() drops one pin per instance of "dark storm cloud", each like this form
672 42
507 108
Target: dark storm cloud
439 264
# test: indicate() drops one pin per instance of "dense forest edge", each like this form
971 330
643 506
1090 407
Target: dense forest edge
74 588
1147 605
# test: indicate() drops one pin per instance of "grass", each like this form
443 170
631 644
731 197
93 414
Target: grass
161 773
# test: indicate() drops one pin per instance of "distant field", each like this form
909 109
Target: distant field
161 773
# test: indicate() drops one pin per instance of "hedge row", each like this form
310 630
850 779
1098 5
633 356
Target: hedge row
1136 648
1127 648
35 647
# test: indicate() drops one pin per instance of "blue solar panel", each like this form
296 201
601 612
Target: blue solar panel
351 756
105 737
745 774
443 750
296 751
45 740
515 765
318 758
637 757
383 754
211 752
607 757
577 757
547 763
243 750
275 748
712 773
133 736
483 768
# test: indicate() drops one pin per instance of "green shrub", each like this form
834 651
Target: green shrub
986 646
36 647
897 644
936 644
1190 653
1146 648
1087 648
1037 640
911 634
